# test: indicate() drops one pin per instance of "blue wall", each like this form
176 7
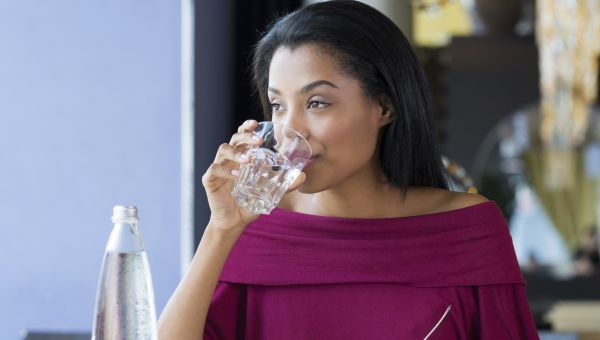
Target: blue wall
89 118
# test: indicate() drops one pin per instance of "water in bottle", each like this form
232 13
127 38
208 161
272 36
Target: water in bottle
125 308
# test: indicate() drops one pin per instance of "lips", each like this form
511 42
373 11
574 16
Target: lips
311 160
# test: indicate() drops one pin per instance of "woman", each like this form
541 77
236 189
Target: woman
372 244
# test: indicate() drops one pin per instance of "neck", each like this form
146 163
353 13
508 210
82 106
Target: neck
366 194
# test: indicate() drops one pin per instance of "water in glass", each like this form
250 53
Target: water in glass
263 182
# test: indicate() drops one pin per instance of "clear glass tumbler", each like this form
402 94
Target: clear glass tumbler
273 167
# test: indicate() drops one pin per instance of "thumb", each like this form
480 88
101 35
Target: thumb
296 183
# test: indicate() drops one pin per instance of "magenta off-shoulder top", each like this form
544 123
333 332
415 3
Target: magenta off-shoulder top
448 275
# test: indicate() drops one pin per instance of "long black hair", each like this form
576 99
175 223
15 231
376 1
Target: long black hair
370 48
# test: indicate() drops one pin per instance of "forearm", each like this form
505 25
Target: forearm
184 316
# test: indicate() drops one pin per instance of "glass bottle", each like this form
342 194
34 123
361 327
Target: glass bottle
125 308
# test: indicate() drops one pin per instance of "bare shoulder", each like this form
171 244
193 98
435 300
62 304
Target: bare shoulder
435 200
459 200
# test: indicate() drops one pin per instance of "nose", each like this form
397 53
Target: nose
296 121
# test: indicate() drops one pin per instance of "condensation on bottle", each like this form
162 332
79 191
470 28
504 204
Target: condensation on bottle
125 308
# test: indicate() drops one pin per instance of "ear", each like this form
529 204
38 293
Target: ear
387 110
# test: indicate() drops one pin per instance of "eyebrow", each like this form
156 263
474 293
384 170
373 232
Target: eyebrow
308 87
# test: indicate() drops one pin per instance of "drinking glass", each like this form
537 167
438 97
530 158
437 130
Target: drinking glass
273 167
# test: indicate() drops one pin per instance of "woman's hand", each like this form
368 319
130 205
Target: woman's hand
218 180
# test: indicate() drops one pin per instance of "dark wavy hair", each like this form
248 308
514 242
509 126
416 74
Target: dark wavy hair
370 48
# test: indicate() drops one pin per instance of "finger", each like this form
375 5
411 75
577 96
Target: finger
217 171
245 138
297 181
227 153
247 126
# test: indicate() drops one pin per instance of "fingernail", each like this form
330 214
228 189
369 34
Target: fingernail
256 137
244 156
235 172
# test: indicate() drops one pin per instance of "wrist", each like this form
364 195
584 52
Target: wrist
222 232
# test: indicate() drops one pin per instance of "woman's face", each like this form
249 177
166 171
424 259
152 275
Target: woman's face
310 94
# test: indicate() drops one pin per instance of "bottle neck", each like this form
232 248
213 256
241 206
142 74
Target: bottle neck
125 237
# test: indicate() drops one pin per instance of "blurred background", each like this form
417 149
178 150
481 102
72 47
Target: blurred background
126 102
89 118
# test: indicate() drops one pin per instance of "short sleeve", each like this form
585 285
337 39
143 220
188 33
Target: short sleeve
503 313
226 315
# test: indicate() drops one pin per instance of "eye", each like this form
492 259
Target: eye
275 107
315 104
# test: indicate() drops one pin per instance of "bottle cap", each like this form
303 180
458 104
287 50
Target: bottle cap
125 214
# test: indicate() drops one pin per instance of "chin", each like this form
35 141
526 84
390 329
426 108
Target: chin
307 187
303 190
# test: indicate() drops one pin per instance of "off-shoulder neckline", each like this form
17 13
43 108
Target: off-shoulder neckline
288 213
